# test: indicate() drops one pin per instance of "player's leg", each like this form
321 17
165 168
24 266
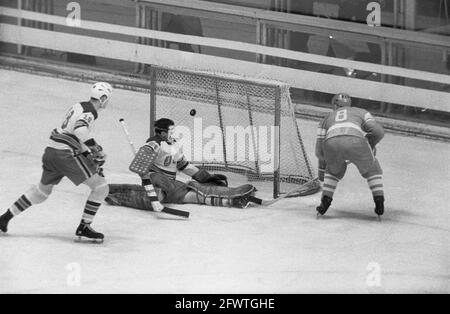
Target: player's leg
335 171
165 189
130 195
374 179
213 195
81 170
99 191
37 194
370 169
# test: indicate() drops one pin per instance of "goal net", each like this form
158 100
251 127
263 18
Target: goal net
244 128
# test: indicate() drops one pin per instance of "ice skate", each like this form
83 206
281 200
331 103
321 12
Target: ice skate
324 205
85 233
241 201
244 200
379 205
4 220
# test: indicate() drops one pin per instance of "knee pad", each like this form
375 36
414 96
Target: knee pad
39 193
99 188
99 193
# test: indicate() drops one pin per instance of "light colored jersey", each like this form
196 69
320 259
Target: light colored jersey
170 157
348 121
80 115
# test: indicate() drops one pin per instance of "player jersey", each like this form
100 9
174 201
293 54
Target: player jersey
80 115
347 121
169 158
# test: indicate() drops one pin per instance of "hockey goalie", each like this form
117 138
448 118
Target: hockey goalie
157 163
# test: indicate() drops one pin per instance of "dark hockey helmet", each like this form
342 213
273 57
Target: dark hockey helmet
163 125
341 100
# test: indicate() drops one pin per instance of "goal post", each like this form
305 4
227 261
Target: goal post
242 127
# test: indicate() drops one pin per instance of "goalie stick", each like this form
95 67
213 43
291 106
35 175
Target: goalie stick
290 193
167 210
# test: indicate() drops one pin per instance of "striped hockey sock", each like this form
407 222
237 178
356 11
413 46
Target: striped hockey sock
218 201
376 185
329 185
20 205
90 210
151 194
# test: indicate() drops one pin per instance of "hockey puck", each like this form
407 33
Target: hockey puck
193 112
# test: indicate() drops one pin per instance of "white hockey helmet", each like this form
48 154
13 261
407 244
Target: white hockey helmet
100 89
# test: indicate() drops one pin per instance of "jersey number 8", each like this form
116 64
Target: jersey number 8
66 122
341 115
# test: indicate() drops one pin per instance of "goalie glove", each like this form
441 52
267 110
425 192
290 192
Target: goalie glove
203 176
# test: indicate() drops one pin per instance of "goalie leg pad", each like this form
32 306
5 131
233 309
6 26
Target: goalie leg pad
128 195
219 195
143 160
173 190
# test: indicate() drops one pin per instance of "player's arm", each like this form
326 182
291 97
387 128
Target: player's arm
321 134
203 176
83 133
200 175
142 164
190 170
374 130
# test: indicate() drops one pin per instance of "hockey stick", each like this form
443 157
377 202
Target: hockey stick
290 193
166 210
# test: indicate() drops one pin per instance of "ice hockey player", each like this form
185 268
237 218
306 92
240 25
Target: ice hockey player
348 135
72 152
163 158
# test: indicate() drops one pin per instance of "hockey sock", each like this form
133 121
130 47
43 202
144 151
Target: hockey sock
35 195
329 185
90 210
20 205
151 194
376 185
218 201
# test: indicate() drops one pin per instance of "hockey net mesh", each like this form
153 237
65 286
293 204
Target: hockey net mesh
226 124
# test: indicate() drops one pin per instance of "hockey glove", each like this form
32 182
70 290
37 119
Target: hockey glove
218 179
204 176
96 152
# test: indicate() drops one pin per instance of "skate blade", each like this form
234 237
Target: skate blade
87 240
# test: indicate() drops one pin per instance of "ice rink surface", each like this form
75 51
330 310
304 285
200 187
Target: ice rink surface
283 249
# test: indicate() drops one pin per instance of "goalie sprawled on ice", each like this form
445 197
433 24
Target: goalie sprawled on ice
157 162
